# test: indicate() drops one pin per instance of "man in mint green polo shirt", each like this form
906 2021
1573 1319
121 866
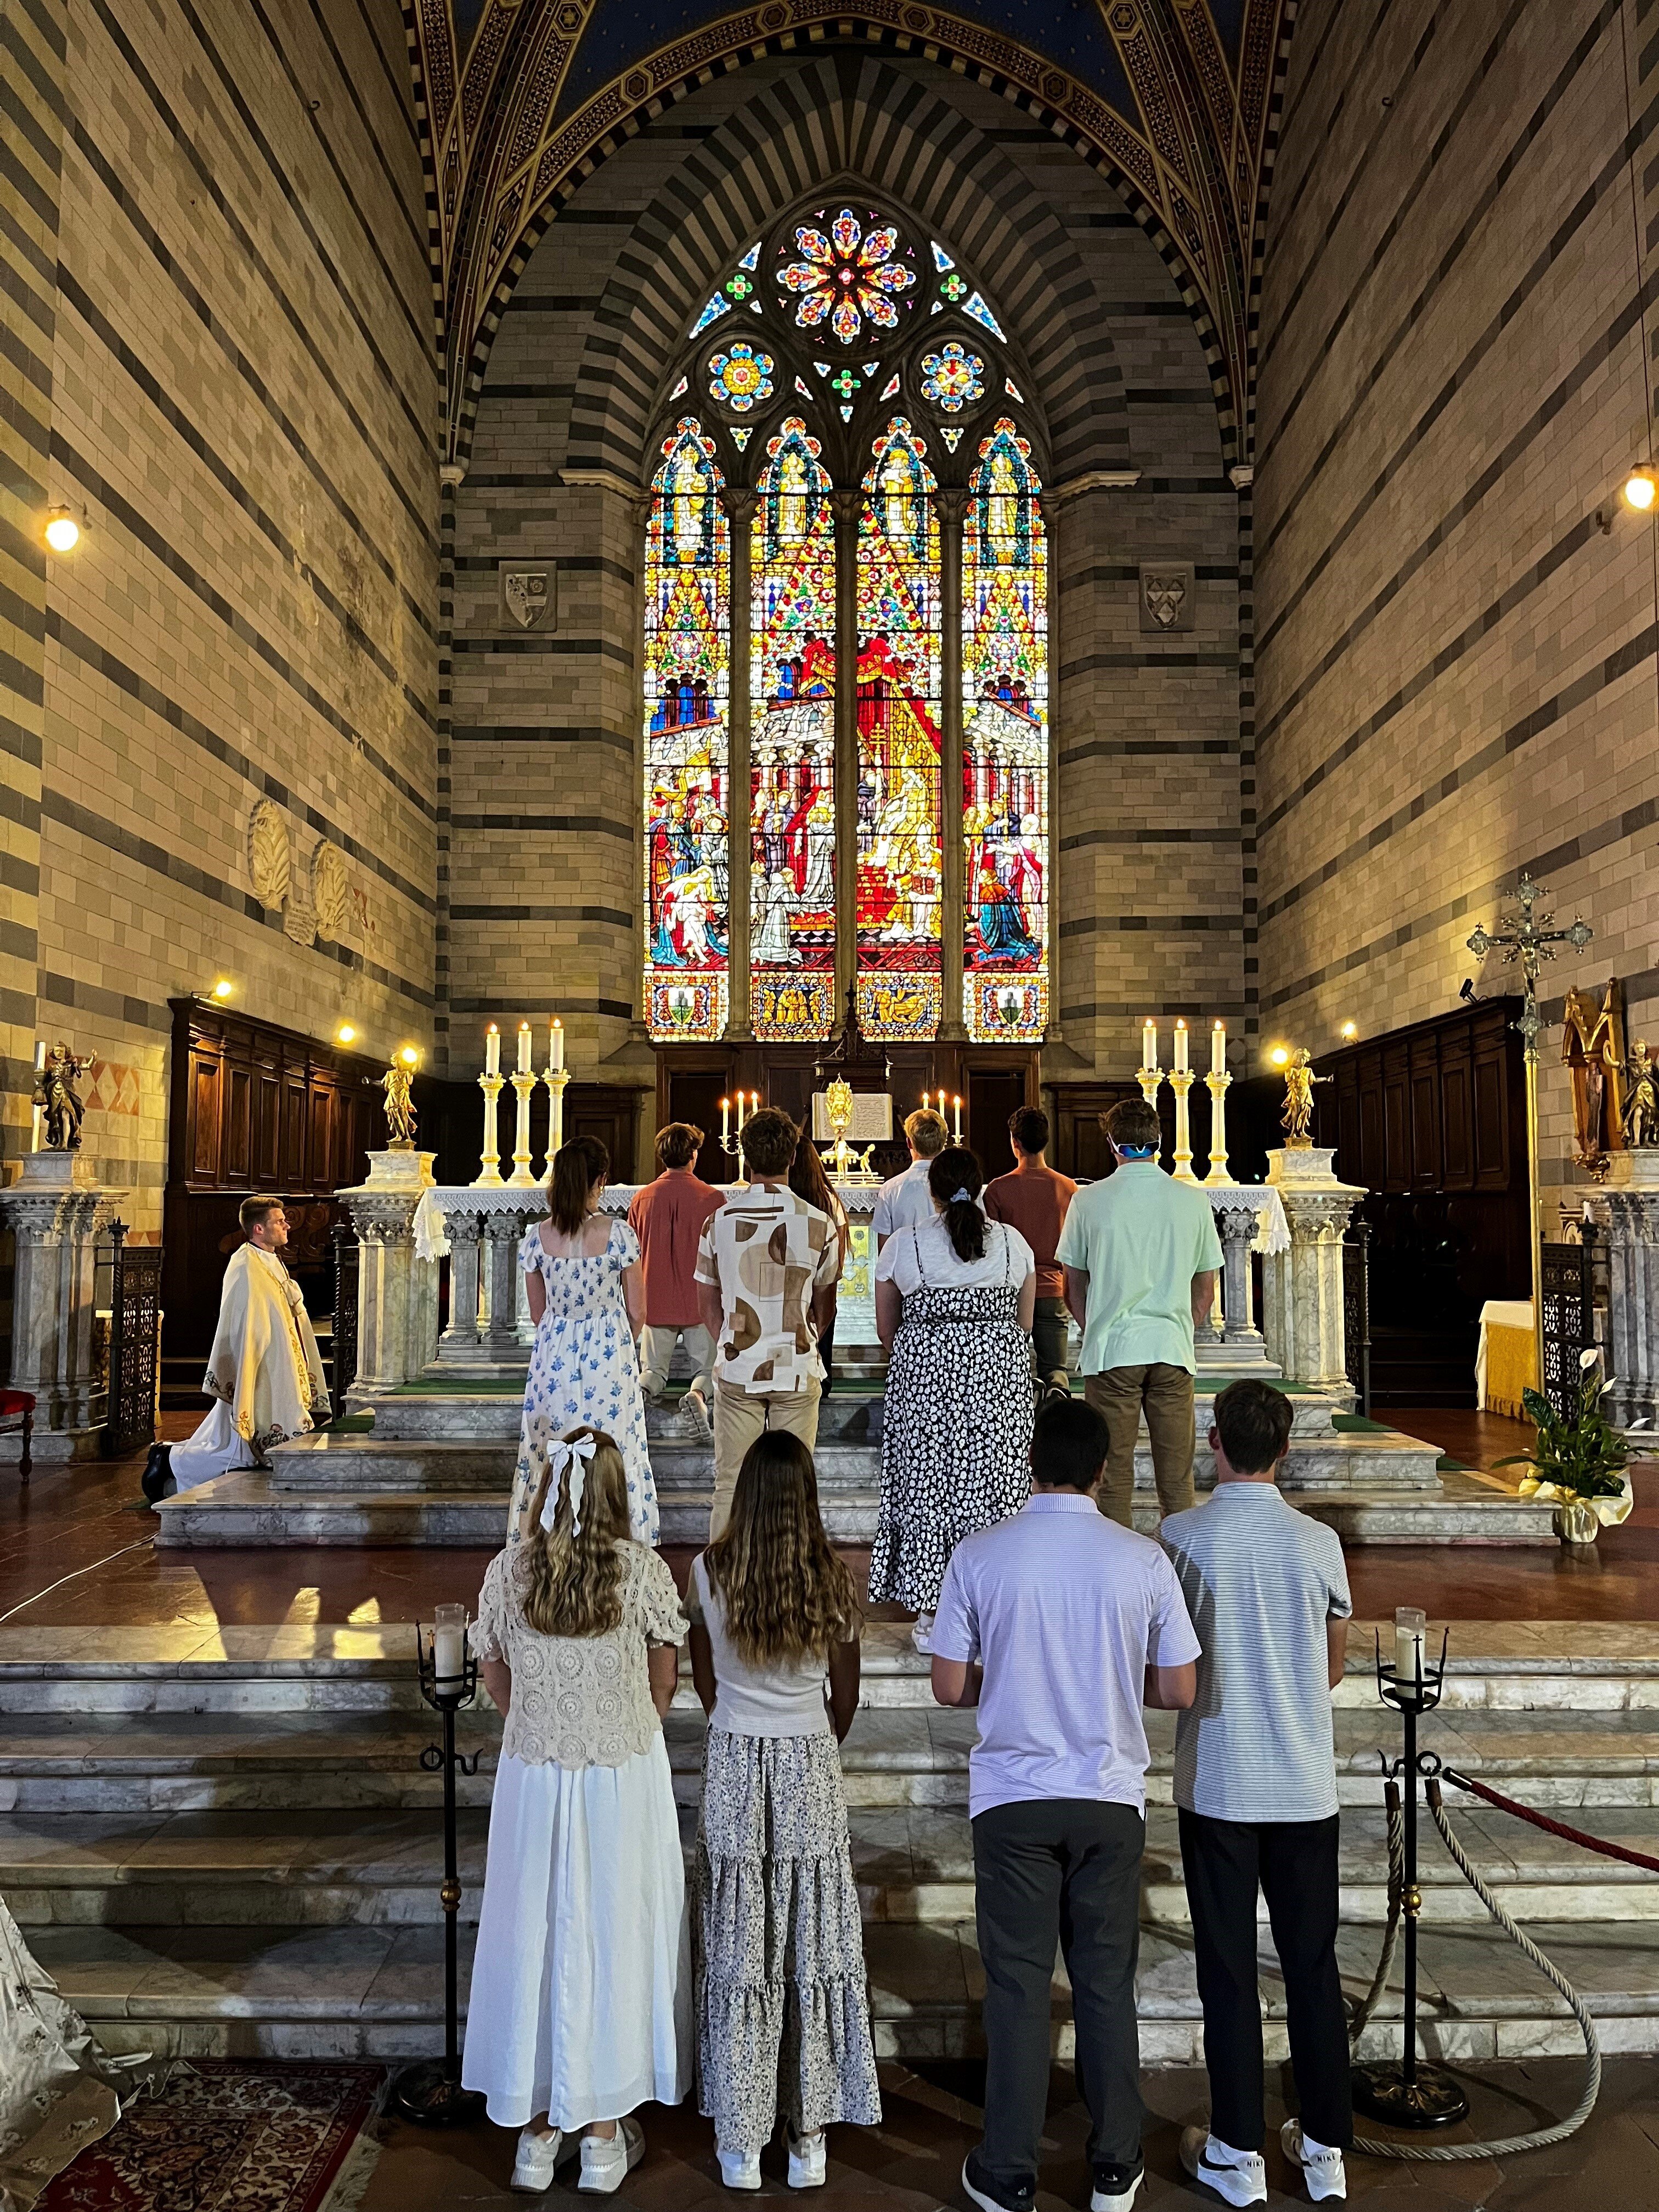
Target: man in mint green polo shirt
1140 1255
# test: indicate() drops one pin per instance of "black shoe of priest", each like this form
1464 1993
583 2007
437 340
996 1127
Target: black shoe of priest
157 1481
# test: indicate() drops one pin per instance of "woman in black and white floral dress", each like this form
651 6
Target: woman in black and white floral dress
955 1299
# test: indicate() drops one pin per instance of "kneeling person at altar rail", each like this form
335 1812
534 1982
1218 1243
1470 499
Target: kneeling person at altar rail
265 1373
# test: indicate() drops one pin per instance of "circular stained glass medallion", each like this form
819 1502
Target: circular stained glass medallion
952 377
741 376
846 276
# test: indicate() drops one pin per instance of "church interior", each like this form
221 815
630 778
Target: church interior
570 565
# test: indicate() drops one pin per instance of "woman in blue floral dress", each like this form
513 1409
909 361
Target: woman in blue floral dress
588 1301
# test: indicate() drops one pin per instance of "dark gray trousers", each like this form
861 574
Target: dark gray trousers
1060 1871
1049 1340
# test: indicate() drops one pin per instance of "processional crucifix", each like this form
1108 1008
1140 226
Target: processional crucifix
1529 940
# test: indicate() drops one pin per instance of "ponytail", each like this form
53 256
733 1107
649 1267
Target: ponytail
577 1167
955 1182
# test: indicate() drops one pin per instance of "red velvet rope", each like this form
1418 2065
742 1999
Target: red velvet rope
1550 1827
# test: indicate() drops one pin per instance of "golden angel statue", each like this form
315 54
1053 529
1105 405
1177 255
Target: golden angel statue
1299 1081
398 1084
60 1103
1641 1113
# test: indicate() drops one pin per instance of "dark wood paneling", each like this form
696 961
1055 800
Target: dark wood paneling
1423 1063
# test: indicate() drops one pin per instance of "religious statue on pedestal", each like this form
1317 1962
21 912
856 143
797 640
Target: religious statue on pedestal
1640 1120
397 1082
54 1094
1299 1081
1593 1052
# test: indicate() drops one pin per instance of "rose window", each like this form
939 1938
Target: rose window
952 377
847 277
741 376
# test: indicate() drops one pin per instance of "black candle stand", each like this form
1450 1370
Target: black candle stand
430 2091
1410 2093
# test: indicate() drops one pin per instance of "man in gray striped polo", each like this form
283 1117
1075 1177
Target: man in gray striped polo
1255 1789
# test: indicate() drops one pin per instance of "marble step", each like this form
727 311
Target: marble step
258 1990
344 1672
249 1509
461 1416
329 1756
375 1867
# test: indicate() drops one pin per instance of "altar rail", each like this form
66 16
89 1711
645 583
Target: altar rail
478 1231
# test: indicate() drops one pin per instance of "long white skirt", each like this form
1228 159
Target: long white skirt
581 2004
214 1448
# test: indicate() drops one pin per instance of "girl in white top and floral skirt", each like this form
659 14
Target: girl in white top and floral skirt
581 2004
781 1980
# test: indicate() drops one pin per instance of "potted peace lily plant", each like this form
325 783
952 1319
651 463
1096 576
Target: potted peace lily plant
1580 1459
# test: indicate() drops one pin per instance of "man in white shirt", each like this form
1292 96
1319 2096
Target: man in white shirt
1060 1624
766 1273
904 1200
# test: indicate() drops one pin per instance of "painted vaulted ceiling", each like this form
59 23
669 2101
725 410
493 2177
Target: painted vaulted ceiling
1176 100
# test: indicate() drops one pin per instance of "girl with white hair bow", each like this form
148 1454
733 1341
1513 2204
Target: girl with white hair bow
580 2007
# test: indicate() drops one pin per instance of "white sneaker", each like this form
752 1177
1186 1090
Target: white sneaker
1321 2167
607 2160
921 1633
809 2159
740 2169
539 2159
695 1414
1237 2177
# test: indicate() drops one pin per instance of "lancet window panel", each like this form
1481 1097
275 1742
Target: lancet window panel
900 888
1005 746
686 671
792 868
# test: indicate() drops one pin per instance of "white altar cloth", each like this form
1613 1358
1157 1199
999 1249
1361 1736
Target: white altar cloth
1272 1230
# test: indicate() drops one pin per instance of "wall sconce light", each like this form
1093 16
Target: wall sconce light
1640 486
63 531
346 1034
409 1056
1351 1030
1279 1056
222 989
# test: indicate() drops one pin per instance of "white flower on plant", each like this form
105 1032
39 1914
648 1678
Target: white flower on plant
1589 1358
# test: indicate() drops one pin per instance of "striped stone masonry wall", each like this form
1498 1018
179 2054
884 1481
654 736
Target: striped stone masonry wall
228 301
1146 819
1458 670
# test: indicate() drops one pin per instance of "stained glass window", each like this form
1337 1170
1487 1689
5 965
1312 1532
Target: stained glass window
900 886
792 879
1005 749
687 591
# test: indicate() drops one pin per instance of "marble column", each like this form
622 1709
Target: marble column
397 1292
1632 1205
1303 1288
461 1336
1236 1226
55 1211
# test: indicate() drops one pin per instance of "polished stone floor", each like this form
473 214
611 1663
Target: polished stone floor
75 1550
912 2161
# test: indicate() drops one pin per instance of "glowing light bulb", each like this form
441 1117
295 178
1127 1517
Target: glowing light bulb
1279 1056
222 989
346 1034
409 1057
1351 1028
64 533
1640 485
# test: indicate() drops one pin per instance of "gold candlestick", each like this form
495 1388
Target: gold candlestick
489 1174
1181 1082
522 1178
1217 1086
1149 1078
555 1079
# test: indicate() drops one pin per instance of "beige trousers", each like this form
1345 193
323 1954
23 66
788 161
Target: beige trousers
1165 1393
740 1416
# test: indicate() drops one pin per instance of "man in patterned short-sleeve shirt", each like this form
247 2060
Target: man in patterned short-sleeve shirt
766 1268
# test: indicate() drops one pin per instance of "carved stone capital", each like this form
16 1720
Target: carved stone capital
383 1217
1317 1218
739 502
950 504
845 503
1236 1224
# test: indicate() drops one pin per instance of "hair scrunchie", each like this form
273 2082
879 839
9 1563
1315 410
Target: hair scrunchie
576 1454
962 1198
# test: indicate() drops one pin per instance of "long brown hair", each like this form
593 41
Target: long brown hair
577 1167
808 1180
958 1171
785 1595
573 1577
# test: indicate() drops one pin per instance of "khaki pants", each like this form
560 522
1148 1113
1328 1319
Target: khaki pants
656 1347
740 1416
1118 1395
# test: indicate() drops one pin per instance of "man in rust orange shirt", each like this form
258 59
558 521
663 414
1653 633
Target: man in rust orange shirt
1033 1199
668 1217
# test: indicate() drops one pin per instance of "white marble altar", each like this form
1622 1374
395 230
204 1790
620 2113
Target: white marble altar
396 1291
1302 1286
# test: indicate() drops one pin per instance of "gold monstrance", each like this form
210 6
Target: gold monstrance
842 1161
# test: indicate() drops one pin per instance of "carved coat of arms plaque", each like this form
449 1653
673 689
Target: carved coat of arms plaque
1167 597
527 596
